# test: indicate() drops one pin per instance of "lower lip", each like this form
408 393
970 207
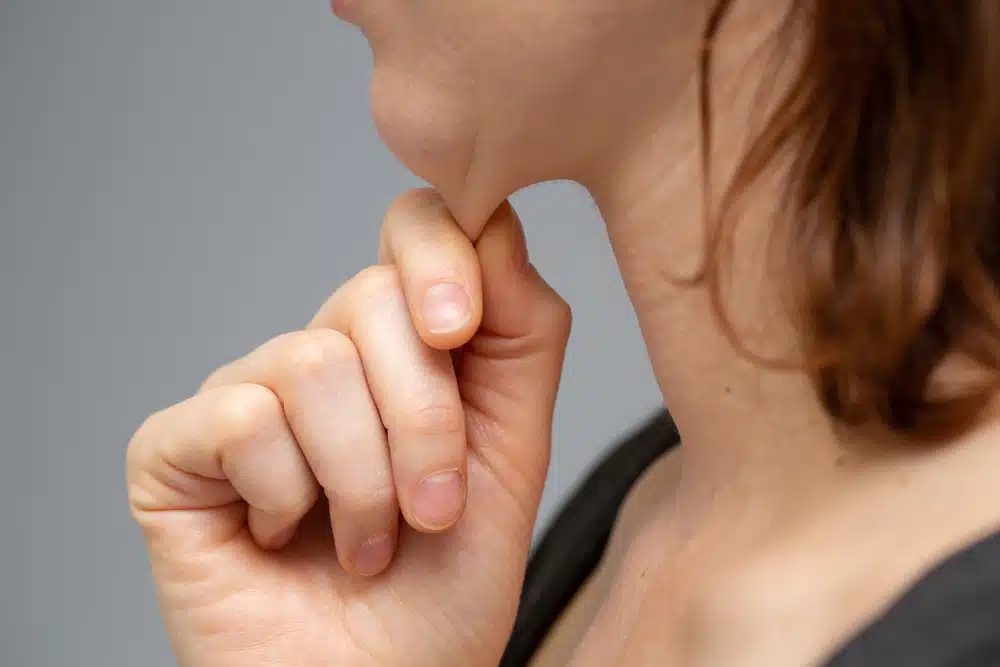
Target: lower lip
343 9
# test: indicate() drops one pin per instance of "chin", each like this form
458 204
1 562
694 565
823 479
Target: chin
432 131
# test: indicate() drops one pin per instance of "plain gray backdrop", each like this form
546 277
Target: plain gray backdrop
179 181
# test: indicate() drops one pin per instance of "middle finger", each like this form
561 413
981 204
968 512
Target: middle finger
416 392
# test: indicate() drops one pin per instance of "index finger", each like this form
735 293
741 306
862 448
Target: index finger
438 267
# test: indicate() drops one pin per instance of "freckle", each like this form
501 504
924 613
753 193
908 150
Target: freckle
729 390
842 461
643 575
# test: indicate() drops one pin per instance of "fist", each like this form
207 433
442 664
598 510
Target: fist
363 491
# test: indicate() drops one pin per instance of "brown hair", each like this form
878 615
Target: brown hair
893 124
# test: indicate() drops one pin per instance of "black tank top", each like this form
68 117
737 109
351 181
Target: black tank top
950 618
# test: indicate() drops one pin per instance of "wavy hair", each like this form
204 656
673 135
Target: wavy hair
891 124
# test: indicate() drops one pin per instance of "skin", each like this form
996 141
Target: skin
280 503
237 487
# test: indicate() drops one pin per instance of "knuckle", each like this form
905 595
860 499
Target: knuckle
358 501
378 282
294 501
143 433
139 444
434 419
242 412
557 317
562 317
214 379
315 352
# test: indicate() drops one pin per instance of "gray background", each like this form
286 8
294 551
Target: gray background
179 181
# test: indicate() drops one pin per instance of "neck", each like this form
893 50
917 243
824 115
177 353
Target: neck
755 436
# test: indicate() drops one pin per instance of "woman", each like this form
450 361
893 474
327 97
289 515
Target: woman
801 195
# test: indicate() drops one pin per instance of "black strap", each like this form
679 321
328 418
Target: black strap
950 618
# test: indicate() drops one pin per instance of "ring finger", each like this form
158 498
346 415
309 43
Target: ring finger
319 378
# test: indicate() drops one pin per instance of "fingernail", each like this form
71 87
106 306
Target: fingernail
373 555
446 308
438 500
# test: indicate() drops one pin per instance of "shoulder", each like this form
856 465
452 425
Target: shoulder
950 618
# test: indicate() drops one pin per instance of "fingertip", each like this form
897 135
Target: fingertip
439 501
446 308
449 315
503 244
373 556
269 535
439 269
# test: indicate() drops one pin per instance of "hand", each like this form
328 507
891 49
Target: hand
363 492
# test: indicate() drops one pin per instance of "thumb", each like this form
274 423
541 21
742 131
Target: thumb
509 372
